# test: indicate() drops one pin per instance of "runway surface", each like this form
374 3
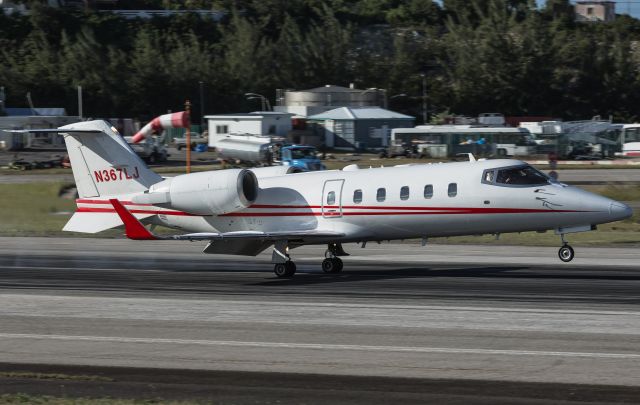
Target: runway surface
398 311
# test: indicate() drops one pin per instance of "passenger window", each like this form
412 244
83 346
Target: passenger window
428 191
331 198
453 189
357 196
404 193
381 195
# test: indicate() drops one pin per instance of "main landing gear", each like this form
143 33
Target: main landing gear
332 263
566 253
284 267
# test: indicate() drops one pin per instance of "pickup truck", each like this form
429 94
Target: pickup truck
151 150
196 140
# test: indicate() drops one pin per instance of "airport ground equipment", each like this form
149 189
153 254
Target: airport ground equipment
259 151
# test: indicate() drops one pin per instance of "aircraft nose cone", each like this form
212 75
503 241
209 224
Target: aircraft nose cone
619 211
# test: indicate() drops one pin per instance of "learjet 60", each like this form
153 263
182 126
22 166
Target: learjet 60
246 211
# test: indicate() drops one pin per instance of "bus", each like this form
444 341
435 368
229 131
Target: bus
630 140
449 140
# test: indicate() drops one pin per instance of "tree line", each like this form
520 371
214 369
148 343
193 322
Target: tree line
506 56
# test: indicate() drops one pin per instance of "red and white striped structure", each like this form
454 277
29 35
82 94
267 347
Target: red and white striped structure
174 120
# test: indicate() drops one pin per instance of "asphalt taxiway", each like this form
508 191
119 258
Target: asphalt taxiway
456 314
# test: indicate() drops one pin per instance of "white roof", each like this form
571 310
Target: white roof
464 129
359 113
252 115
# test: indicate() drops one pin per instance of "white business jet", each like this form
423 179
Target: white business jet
244 212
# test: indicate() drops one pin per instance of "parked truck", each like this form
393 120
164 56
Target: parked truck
196 140
255 151
151 149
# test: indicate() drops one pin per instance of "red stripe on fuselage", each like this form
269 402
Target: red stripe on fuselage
377 211
111 210
439 211
405 208
83 201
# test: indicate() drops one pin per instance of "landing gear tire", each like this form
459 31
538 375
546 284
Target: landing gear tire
287 269
339 264
332 265
566 253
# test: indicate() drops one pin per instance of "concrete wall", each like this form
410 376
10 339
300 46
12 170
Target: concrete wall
268 125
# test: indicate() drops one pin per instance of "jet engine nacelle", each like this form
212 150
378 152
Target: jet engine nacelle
207 193
273 171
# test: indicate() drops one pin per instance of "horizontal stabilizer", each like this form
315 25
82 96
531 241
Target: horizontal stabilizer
94 222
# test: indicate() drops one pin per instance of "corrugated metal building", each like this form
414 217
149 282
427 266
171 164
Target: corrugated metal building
360 127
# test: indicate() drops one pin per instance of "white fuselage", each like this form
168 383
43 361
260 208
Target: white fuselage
330 201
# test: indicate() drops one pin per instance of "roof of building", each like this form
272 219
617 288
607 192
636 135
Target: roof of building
329 88
360 113
251 115
25 112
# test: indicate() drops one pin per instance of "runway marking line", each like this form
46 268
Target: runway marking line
50 300
319 346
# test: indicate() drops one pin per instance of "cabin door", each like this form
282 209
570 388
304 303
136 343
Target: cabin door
332 198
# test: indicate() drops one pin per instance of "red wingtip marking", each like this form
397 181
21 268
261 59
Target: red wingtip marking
133 228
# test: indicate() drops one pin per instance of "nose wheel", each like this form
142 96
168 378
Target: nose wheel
566 253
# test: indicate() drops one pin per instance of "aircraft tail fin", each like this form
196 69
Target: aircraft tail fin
104 166
103 163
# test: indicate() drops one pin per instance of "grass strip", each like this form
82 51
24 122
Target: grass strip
52 376
22 399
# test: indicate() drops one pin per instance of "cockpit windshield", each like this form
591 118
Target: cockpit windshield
518 176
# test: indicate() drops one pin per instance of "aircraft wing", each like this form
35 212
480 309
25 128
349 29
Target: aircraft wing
135 230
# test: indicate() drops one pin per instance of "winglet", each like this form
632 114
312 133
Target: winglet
133 228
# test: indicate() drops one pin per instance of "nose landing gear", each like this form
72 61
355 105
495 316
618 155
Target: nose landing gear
566 253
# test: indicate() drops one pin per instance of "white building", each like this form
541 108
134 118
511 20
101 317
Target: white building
258 123
18 141
595 10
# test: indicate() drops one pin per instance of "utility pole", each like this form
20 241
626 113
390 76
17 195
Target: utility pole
187 108
201 105
425 114
80 102
33 110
